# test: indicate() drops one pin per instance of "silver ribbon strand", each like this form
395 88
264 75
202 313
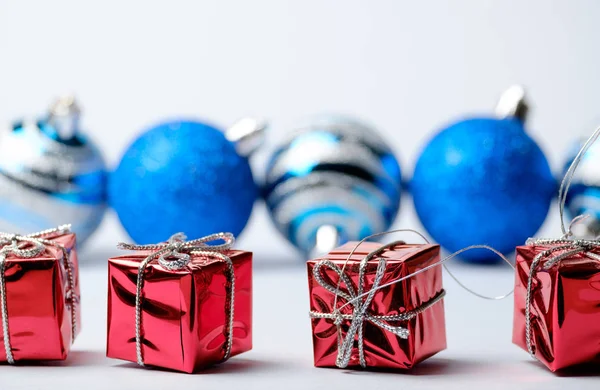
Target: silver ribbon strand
361 312
14 244
175 255
561 248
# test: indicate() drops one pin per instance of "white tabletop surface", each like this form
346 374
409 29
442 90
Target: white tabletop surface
479 355
408 67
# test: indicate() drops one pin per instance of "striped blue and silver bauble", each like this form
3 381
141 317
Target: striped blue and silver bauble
332 180
584 194
50 174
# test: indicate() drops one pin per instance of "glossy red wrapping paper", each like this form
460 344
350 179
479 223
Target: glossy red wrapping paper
39 316
382 348
565 309
184 312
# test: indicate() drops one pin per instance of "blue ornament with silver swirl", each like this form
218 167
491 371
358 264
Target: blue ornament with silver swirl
332 180
51 174
583 197
483 180
186 176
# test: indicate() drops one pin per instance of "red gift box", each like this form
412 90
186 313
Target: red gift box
40 279
564 303
401 324
184 312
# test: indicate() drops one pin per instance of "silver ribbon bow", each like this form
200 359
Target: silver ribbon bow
16 244
361 312
561 249
175 255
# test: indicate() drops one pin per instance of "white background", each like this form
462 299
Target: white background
407 67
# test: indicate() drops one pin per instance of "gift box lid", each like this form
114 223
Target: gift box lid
198 260
579 262
400 252
401 260
50 252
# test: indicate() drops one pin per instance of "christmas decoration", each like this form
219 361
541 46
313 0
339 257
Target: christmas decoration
557 317
39 298
484 180
181 305
358 320
173 175
50 174
332 180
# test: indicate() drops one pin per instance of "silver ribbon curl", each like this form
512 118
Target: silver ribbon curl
175 255
14 244
361 312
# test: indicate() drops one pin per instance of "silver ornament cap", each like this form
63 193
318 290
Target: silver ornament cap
327 239
247 134
64 116
513 104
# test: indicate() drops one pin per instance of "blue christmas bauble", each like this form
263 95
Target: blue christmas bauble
51 174
182 176
583 197
482 181
334 173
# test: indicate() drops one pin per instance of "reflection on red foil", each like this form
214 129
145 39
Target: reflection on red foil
39 316
184 312
383 349
565 309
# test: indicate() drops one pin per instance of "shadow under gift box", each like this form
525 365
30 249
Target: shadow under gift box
565 308
382 349
39 316
184 312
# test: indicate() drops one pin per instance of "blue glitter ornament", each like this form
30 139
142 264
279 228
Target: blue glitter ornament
483 181
583 197
332 180
183 176
51 174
